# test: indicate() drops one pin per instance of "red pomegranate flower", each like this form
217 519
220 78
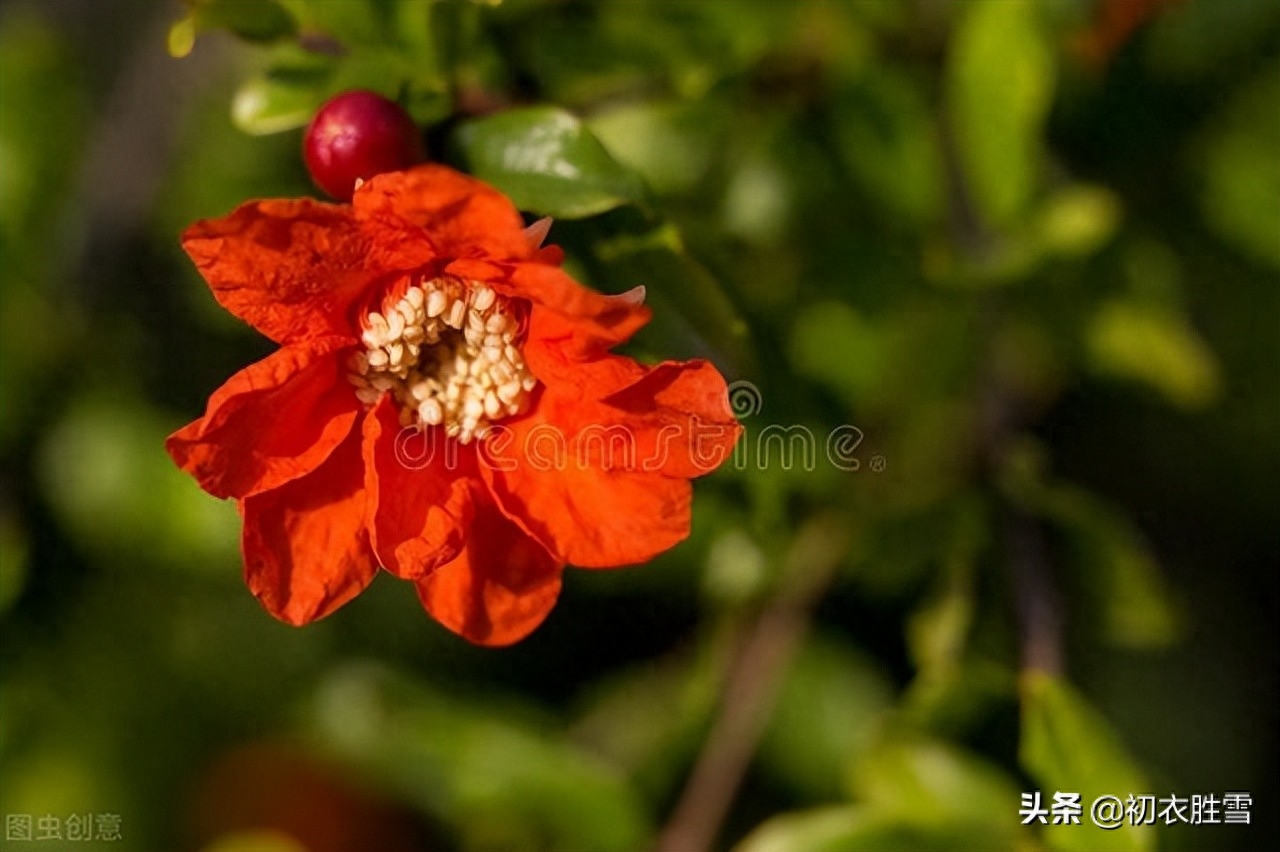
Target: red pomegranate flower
443 404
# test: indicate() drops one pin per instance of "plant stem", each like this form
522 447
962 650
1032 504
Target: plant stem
765 652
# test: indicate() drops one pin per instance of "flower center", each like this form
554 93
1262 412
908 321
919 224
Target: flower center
446 350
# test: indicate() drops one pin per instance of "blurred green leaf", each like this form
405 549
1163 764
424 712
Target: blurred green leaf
1067 746
1241 172
693 314
1077 221
14 551
259 21
282 98
547 161
1149 343
104 471
497 780
737 569
182 37
347 21
828 712
832 343
671 144
1118 571
1000 80
889 140
930 782
938 630
289 93
860 829
45 113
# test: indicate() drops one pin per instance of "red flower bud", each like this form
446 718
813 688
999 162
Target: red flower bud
355 136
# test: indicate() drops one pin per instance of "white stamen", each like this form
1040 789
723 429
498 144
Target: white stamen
446 351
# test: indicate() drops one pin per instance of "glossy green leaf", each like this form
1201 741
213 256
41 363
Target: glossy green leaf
1067 746
547 161
1000 80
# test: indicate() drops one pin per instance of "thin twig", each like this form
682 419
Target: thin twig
754 678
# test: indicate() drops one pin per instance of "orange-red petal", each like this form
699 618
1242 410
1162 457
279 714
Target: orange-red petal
588 322
462 216
272 422
499 588
679 415
548 477
420 495
304 543
294 269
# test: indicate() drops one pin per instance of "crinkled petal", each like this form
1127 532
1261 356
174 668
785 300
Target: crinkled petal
294 269
548 477
499 588
272 422
464 217
304 543
420 493
680 417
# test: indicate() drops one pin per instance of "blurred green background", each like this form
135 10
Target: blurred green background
1031 251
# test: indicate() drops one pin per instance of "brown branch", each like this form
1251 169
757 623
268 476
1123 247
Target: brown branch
765 652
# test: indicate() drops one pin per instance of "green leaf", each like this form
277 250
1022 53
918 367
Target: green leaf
1154 345
547 161
1241 172
1000 81
289 93
827 714
693 314
1116 566
859 829
348 21
282 99
259 21
672 144
1077 221
104 475
835 345
1068 747
497 779
933 782
182 37
889 139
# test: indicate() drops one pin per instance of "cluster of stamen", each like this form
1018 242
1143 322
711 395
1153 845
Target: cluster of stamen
446 350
